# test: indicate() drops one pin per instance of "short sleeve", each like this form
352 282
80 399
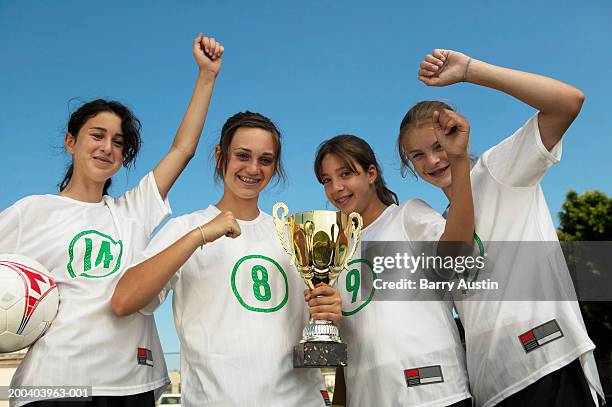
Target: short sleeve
521 160
10 230
421 222
170 233
145 204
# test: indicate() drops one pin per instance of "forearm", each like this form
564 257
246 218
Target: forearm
143 282
460 220
188 135
540 92
190 129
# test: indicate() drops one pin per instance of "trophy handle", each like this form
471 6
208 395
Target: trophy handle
354 217
281 227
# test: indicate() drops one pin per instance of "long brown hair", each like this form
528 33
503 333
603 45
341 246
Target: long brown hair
130 127
353 149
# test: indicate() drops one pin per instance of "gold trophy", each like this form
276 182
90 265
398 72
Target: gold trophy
319 243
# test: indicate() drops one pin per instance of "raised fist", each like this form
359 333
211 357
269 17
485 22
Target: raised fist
452 131
443 67
224 224
208 53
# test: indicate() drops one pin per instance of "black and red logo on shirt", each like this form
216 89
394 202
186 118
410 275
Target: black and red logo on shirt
423 375
326 399
145 357
540 335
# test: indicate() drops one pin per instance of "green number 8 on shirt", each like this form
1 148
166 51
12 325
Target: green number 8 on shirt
259 283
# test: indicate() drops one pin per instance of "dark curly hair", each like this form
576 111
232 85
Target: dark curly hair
130 127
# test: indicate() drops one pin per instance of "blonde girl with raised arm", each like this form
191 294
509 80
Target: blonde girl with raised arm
519 353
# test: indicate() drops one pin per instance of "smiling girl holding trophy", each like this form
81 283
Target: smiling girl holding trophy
237 301
506 365
403 352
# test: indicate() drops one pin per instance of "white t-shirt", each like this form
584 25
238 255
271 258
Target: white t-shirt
510 206
403 352
238 309
86 247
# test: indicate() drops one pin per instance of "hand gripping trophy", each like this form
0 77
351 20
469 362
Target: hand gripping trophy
319 243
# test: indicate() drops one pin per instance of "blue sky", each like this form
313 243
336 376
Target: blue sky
317 68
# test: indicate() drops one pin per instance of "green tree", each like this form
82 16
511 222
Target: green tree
588 218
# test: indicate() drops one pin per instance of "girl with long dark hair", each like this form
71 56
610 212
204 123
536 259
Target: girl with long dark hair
402 352
86 239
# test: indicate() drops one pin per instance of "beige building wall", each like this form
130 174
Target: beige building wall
8 366
175 382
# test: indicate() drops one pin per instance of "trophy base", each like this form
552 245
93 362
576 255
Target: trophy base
319 354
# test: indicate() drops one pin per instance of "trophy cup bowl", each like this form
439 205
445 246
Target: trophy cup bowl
320 243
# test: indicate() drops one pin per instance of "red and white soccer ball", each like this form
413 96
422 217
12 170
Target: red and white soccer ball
28 301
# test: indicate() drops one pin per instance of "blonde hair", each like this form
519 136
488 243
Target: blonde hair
419 114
